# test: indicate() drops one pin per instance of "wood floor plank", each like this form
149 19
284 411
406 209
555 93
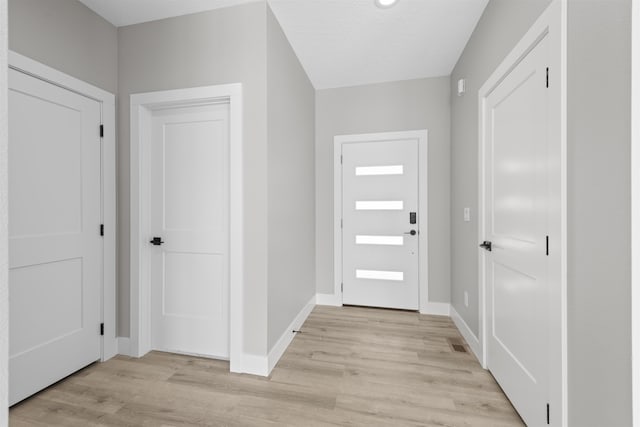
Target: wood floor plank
350 366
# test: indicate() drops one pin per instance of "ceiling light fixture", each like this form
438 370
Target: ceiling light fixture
385 4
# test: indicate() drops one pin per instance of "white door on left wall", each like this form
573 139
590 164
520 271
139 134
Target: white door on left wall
55 248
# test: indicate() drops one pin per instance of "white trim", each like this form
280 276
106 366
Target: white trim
4 241
288 335
255 365
124 346
107 105
635 210
436 309
553 24
329 299
466 332
423 162
141 107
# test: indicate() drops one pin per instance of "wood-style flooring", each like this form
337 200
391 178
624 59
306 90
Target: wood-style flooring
349 366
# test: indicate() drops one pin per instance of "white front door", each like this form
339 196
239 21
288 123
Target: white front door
381 223
517 208
190 217
55 248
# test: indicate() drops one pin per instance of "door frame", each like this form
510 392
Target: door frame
23 64
552 24
142 107
635 209
423 196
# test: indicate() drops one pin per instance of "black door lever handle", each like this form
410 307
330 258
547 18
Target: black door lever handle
156 241
486 245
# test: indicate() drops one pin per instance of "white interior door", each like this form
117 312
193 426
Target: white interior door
190 215
380 213
517 208
55 248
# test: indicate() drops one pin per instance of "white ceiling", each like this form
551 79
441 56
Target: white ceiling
129 12
353 42
344 42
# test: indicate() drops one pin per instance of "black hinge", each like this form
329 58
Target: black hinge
548 418
547 76
101 131
547 245
102 229
101 329
341 159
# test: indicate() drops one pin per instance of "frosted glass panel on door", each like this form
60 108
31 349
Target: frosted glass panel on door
379 170
392 205
380 275
380 240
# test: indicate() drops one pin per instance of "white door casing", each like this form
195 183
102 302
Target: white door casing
189 212
143 107
522 186
380 212
55 248
420 138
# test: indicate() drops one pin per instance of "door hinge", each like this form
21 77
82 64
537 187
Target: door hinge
547 245
340 158
548 415
101 131
101 329
102 229
341 287
341 224
547 76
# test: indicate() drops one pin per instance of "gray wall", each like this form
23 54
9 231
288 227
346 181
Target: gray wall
599 179
68 36
222 46
502 25
291 211
4 232
396 106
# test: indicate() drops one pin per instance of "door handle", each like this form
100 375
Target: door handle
412 232
156 241
486 245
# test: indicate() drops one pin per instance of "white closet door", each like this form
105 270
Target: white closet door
55 248
517 208
190 216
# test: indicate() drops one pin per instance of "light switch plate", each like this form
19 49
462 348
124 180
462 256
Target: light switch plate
467 214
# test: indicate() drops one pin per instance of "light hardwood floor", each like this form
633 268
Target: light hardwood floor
349 366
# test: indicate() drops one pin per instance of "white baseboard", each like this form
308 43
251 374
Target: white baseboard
255 365
124 346
469 336
283 343
329 299
436 309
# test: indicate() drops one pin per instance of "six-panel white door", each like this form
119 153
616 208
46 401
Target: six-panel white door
190 214
55 248
516 194
379 241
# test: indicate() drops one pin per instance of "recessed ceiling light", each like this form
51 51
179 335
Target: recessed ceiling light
385 4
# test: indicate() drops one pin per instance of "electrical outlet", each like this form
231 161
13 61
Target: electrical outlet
466 299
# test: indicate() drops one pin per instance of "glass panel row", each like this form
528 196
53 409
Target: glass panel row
379 170
397 276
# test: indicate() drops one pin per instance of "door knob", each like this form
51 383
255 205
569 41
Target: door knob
156 241
486 245
412 232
